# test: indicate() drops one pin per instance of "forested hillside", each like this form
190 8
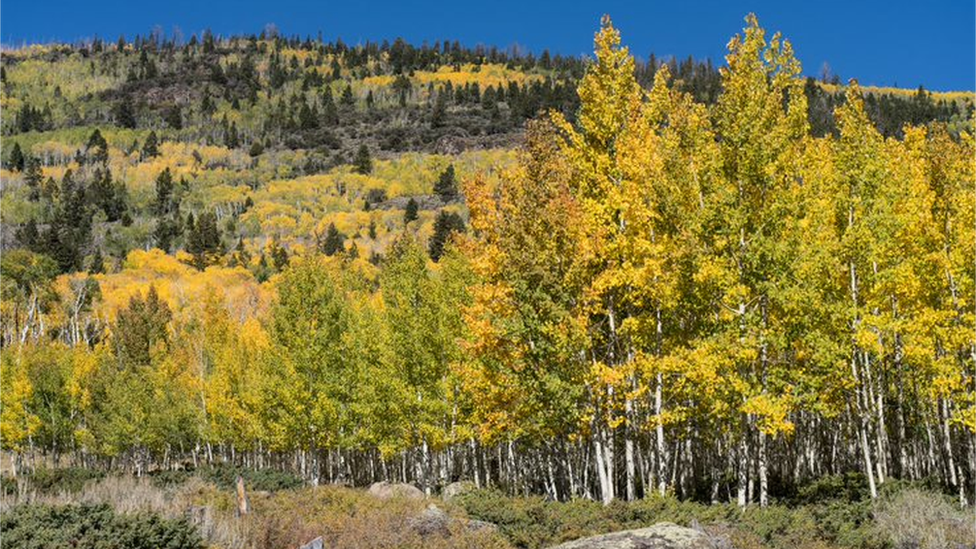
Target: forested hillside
601 278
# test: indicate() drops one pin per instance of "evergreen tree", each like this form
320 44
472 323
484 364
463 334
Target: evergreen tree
347 97
33 177
446 224
124 115
204 241
439 111
97 147
174 117
446 186
28 236
330 114
16 159
231 138
165 203
332 242
150 149
410 213
363 164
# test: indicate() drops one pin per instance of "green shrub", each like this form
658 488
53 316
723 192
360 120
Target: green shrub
268 480
39 526
848 487
166 479
52 481
8 485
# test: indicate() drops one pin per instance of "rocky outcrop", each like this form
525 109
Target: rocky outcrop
386 490
664 535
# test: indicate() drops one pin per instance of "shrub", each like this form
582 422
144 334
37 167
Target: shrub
268 480
52 481
39 526
914 519
847 487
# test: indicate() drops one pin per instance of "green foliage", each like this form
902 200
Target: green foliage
65 479
142 327
446 224
42 526
410 212
446 185
532 522
363 164
269 480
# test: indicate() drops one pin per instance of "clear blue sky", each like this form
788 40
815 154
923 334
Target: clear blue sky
927 42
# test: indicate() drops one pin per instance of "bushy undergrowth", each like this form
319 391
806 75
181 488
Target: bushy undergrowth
81 526
52 481
831 512
225 476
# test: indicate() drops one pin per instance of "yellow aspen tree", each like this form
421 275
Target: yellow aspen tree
761 118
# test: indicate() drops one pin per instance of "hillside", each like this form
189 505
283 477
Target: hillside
583 279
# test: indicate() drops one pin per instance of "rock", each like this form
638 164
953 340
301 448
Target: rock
316 543
480 526
455 489
432 521
664 535
385 490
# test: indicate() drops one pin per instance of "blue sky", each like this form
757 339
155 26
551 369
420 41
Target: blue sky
932 42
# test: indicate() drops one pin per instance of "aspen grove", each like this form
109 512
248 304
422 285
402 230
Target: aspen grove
654 296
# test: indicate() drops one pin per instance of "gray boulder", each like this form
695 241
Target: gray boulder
455 489
435 521
432 520
385 490
664 535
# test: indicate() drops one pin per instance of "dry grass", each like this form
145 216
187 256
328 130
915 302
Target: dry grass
913 519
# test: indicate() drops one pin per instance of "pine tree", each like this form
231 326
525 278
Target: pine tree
150 149
330 114
124 115
204 241
333 241
446 185
363 164
33 178
174 117
438 113
410 213
16 159
97 147
28 236
446 224
165 203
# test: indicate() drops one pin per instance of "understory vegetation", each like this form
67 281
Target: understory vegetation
729 295
192 511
